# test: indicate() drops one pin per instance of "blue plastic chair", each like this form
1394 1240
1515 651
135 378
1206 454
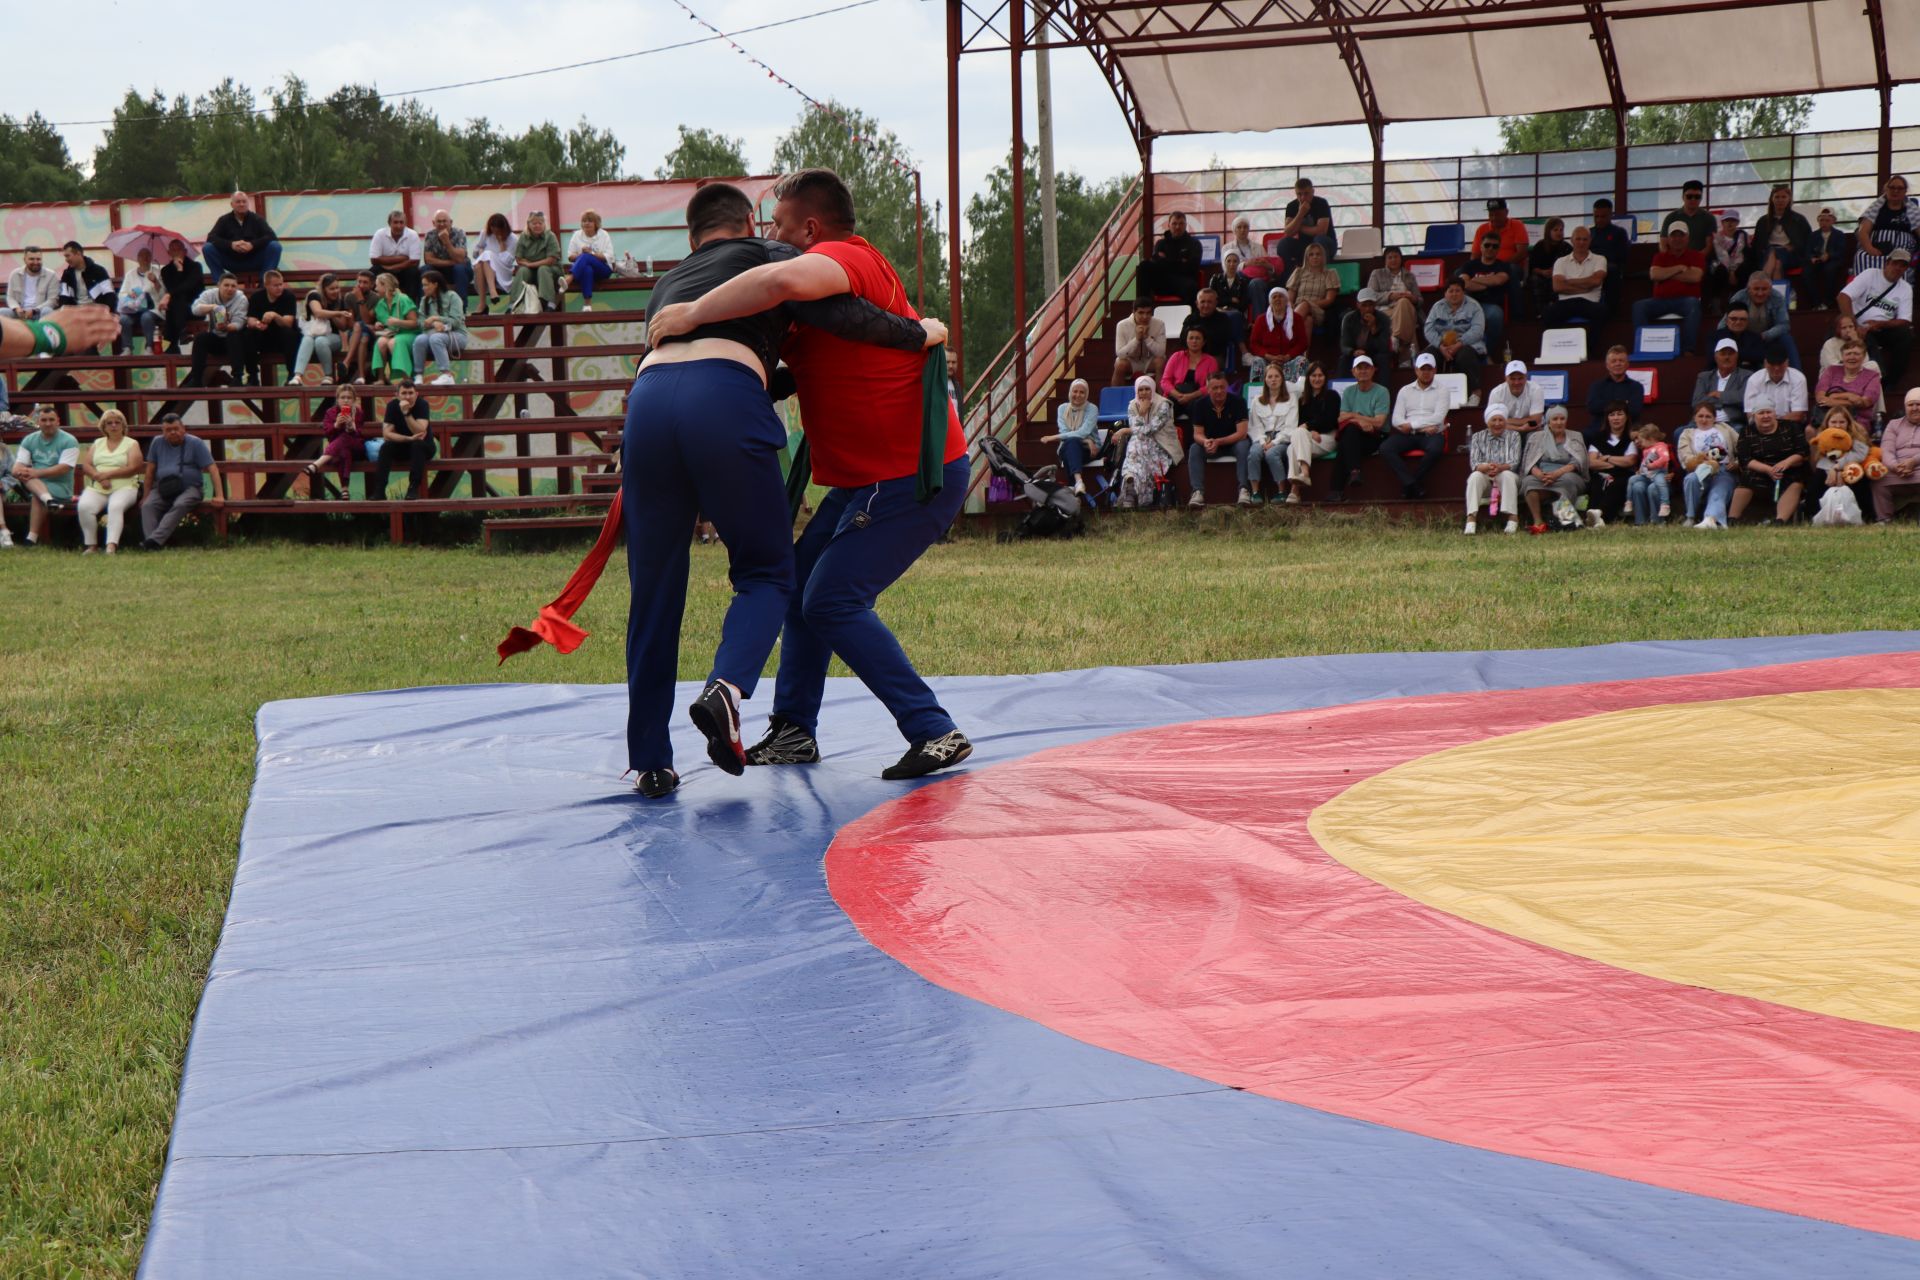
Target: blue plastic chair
1444 238
1113 405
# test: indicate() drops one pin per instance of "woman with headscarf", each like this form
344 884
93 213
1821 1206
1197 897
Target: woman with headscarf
1152 444
1078 422
1554 461
1279 334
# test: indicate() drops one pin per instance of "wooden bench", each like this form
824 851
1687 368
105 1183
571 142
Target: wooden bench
521 524
397 510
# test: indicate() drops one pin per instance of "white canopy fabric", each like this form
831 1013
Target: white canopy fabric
1255 65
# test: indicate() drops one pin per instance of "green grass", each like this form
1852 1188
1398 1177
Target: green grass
126 739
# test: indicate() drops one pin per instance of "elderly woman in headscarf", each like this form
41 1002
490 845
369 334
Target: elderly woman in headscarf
1152 443
1078 424
1279 334
1554 461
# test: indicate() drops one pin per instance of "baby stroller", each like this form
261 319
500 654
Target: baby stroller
1056 509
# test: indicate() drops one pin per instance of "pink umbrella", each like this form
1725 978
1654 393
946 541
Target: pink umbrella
129 241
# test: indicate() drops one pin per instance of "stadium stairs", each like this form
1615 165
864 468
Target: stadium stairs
1446 486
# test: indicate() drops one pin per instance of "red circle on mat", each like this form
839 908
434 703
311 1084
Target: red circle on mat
1158 894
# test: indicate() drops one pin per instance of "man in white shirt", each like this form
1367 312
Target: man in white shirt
1881 302
1521 402
1780 387
397 249
1139 346
32 289
1578 279
1419 424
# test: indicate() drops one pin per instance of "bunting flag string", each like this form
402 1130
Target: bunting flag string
872 145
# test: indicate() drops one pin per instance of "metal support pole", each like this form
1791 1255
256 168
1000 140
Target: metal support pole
1043 124
1017 41
919 249
1145 144
1379 132
955 341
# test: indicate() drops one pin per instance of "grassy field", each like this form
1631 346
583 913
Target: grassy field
126 740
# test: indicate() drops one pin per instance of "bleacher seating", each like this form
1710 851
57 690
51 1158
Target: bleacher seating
520 384
1667 405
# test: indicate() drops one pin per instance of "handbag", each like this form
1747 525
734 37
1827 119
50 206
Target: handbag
170 487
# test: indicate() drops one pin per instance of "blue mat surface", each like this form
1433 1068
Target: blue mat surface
477 1011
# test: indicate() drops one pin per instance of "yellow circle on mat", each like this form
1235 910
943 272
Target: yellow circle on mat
1768 847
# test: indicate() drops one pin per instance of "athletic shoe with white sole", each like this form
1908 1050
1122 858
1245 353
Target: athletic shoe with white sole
717 715
1471 527
655 783
785 743
927 757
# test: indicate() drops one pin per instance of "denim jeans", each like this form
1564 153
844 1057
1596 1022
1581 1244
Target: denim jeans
1273 457
588 271
442 346
1687 310
1648 493
1197 462
1073 456
326 347
1716 492
259 262
146 321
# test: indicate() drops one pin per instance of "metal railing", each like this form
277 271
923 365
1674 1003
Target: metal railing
1018 382
1836 170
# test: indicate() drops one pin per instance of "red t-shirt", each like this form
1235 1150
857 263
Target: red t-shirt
860 404
1673 286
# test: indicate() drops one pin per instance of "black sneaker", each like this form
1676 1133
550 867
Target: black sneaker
784 743
717 715
942 752
655 783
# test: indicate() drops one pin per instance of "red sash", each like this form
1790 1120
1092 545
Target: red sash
555 625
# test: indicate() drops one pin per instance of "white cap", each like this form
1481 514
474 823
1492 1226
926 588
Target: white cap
1424 360
1366 295
1726 344
1516 366
1362 358
1495 411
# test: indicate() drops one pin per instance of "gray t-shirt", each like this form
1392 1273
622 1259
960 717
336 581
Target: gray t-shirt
189 460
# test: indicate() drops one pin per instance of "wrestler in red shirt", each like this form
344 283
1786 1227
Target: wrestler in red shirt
861 408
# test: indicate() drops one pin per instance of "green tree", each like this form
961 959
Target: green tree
854 146
145 147
704 153
1081 205
1655 125
34 164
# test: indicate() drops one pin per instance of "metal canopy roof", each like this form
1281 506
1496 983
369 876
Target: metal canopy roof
1224 66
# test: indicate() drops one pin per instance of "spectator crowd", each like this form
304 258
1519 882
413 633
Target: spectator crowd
1238 379
400 324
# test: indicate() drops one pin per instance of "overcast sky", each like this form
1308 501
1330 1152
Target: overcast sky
886 58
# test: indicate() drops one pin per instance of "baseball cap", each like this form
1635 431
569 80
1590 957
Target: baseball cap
1362 358
1727 344
1366 295
1900 255
1496 203
1516 366
1730 215
1425 360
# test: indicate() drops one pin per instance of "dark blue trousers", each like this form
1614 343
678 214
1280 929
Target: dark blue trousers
857 545
701 438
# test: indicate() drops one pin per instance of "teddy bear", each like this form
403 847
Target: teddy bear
1845 457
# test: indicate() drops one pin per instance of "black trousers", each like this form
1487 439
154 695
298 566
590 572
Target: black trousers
276 340
1352 447
414 455
1892 348
1607 493
215 348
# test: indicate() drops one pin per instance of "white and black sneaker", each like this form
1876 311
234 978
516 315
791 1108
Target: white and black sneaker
717 715
655 783
926 757
785 743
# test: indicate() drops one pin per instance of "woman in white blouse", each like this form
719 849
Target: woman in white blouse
589 256
494 276
139 303
1271 417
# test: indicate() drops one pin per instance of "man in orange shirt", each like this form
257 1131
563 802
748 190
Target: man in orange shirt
862 411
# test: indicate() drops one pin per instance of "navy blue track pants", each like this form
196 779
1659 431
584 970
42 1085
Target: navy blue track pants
857 545
701 438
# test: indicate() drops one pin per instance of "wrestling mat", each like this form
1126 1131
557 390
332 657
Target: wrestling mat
1575 963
